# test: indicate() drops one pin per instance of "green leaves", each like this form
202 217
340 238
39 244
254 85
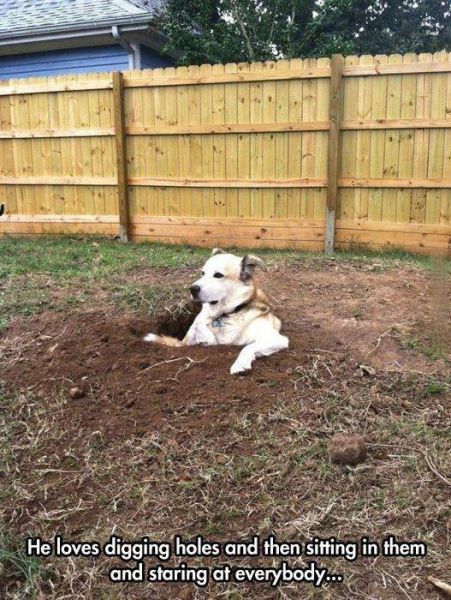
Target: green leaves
246 30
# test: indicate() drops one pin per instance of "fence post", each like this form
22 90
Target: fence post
121 159
333 151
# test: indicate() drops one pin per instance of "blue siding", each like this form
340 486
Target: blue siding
151 59
70 60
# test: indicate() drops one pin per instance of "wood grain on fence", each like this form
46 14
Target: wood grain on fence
236 154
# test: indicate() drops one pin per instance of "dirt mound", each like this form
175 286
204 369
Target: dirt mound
132 385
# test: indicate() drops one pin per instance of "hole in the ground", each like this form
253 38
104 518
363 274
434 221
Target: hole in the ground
177 322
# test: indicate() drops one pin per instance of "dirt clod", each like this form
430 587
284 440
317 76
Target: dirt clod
76 392
346 449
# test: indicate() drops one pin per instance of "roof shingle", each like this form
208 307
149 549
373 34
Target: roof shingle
34 16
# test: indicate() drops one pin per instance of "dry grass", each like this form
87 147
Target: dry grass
271 473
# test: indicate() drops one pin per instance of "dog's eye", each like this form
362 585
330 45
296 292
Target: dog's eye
218 275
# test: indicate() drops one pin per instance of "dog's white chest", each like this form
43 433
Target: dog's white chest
226 329
218 330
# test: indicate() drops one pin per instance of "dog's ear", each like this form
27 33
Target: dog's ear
248 265
217 251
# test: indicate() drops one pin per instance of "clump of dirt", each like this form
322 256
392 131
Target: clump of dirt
345 449
76 392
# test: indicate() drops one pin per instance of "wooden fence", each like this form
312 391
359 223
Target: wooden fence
302 153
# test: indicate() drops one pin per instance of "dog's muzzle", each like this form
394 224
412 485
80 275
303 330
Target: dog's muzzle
195 289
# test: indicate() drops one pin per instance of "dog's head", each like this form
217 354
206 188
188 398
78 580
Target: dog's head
226 277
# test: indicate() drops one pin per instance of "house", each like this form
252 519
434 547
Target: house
51 37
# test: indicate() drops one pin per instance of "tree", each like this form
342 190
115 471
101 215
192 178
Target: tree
246 30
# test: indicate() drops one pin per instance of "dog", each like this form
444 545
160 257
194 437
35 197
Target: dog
234 311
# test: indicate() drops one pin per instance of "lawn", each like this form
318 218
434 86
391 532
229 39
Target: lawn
164 442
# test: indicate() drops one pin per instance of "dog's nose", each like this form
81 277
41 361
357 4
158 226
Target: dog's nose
194 289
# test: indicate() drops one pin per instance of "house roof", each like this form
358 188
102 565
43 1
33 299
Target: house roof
27 17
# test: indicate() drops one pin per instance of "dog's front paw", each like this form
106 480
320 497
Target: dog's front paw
239 367
150 337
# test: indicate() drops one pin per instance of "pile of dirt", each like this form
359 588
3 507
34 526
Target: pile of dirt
130 385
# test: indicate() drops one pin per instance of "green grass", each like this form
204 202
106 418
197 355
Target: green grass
410 344
434 388
66 257
32 270
14 562
431 350
146 298
22 296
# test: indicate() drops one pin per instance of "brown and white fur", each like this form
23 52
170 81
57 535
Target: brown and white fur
234 311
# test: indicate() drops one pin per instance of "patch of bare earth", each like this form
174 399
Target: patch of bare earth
164 441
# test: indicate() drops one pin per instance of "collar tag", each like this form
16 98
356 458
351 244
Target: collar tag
217 322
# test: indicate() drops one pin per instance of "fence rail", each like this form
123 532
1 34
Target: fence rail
302 153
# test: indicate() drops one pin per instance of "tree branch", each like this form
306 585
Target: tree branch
239 20
271 31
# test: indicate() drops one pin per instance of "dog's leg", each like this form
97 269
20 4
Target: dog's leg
261 347
163 340
198 333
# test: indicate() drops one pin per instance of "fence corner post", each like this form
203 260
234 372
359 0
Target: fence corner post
121 159
333 151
